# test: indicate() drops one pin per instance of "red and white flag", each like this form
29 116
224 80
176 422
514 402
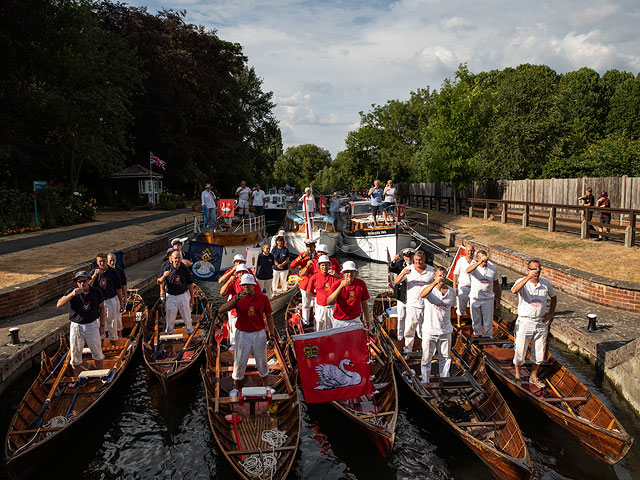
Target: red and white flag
155 160
400 214
226 208
322 206
459 254
333 364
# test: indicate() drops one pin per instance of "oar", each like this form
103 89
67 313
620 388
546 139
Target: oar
186 345
402 360
276 348
75 394
39 420
118 361
218 336
235 419
55 368
555 390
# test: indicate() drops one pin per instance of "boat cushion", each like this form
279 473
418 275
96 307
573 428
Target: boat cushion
86 351
254 392
94 373
172 336
500 354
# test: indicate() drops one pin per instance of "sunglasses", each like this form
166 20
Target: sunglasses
82 281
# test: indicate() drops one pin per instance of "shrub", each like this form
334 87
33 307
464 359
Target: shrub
60 206
170 201
16 210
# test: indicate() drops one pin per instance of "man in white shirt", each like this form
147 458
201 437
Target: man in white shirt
209 209
258 200
485 292
461 280
243 192
533 320
418 276
436 330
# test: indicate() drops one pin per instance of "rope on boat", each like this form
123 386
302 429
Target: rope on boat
263 465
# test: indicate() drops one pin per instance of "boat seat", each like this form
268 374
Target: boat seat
500 355
171 337
452 382
94 373
489 341
254 392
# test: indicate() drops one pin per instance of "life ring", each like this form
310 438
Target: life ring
293 280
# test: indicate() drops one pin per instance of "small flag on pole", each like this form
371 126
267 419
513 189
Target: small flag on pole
156 161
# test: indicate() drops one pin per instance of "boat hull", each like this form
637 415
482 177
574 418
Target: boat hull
296 241
373 244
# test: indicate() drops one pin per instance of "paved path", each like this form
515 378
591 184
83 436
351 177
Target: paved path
19 244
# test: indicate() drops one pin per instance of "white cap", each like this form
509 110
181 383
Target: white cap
324 259
247 279
322 247
239 258
241 267
280 232
178 239
349 266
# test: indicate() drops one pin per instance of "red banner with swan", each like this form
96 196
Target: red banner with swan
333 364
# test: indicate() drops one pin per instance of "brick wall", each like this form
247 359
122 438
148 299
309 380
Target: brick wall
593 288
26 296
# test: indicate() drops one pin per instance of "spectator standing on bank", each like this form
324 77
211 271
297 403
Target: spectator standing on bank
258 201
588 200
209 209
605 217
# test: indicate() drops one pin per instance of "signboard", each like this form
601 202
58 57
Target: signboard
38 185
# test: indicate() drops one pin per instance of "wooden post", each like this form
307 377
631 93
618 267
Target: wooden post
439 203
584 230
525 216
629 235
471 210
486 211
552 219
503 216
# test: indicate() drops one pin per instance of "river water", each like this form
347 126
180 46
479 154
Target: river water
139 432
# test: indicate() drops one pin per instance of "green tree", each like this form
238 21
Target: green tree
301 165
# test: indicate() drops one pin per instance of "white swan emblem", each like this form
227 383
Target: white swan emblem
335 377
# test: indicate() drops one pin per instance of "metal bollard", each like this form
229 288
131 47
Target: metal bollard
14 333
504 281
592 318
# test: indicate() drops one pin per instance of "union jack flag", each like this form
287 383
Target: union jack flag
156 161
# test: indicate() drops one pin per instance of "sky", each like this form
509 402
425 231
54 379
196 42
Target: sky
326 61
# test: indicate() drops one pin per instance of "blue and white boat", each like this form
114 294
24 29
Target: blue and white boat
322 230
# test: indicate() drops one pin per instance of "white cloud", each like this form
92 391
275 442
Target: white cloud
326 61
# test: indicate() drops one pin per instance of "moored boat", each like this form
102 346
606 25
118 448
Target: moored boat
375 414
170 356
57 401
323 230
565 399
275 205
362 238
467 402
257 431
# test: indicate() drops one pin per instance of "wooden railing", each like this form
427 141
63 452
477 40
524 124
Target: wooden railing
433 202
579 219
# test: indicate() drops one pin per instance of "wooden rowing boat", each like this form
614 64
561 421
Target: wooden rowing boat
282 297
565 400
268 424
169 357
377 414
39 426
467 402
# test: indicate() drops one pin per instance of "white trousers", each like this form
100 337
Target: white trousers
112 307
482 317
81 334
232 328
323 317
414 318
279 280
402 315
462 299
534 332
307 304
346 323
430 344
175 304
248 343
266 286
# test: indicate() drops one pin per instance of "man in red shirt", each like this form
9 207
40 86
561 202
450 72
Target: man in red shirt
302 262
232 288
350 299
251 338
320 286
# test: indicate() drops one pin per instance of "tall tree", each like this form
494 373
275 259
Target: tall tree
301 165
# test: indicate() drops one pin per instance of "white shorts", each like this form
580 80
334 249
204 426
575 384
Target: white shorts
323 317
534 332
112 308
78 335
243 207
462 300
246 344
179 303
346 323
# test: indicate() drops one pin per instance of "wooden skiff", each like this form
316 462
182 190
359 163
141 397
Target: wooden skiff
376 415
468 403
56 401
565 400
258 432
169 357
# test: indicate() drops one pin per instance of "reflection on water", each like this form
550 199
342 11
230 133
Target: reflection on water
139 432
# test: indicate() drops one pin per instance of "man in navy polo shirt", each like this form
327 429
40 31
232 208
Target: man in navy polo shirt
177 280
88 319
108 281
